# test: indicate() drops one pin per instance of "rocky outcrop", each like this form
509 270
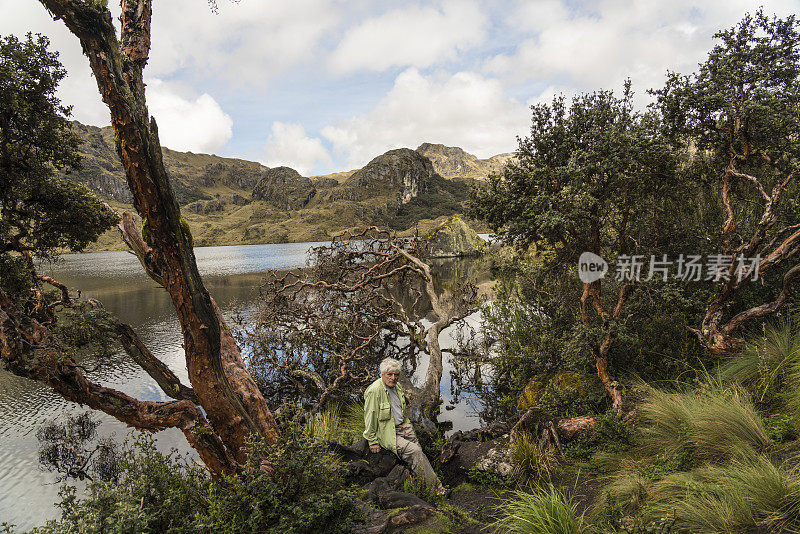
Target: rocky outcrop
232 173
403 171
452 162
205 206
284 188
324 182
382 475
100 167
454 239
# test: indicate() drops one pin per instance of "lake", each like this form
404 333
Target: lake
232 275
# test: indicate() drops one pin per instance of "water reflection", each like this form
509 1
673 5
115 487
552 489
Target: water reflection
232 275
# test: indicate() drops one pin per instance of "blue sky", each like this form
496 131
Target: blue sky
326 85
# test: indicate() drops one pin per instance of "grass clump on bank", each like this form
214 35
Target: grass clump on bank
700 464
545 511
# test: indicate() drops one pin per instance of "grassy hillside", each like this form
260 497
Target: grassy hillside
216 193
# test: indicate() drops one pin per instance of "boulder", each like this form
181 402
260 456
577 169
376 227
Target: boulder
460 456
284 188
454 239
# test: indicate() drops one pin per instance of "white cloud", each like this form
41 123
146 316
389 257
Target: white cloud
411 36
78 89
248 42
463 109
598 47
188 124
289 145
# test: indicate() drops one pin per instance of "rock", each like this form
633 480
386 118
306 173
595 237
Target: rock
382 494
403 170
454 239
284 188
411 516
213 205
459 457
453 162
381 521
569 429
238 200
377 523
325 183
363 466
244 175
195 207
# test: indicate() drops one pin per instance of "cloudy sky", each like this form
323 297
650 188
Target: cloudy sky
325 85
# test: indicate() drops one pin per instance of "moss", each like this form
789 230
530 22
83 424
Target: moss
532 393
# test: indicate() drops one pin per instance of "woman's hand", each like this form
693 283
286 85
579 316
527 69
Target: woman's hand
375 448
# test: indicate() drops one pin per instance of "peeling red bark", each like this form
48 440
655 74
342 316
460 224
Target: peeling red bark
224 389
27 349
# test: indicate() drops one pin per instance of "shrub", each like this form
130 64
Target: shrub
300 492
542 512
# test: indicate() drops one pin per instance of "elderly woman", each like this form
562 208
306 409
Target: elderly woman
387 426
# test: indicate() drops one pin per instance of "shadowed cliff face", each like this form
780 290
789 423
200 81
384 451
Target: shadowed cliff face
402 172
284 188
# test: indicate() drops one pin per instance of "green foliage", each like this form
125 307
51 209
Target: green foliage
300 492
780 427
489 478
546 511
416 484
41 212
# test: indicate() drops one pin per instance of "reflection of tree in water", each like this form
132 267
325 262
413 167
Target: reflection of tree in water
321 332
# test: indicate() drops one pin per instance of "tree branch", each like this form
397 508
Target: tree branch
154 367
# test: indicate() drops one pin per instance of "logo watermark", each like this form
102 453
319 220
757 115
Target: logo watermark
591 267
686 267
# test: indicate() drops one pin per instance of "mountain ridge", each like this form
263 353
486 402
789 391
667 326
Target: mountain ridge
236 201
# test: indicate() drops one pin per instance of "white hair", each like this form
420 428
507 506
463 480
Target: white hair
389 364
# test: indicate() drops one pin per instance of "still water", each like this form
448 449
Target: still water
232 275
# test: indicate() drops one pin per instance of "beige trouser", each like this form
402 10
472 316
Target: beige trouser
409 451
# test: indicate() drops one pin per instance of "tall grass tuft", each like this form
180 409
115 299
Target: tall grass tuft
545 511
325 425
709 425
530 462
749 494
766 364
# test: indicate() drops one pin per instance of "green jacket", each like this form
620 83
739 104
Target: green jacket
378 420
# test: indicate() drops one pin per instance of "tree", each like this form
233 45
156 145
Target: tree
739 115
40 211
225 408
595 177
324 330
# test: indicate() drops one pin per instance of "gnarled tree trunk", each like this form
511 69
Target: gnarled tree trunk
221 384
